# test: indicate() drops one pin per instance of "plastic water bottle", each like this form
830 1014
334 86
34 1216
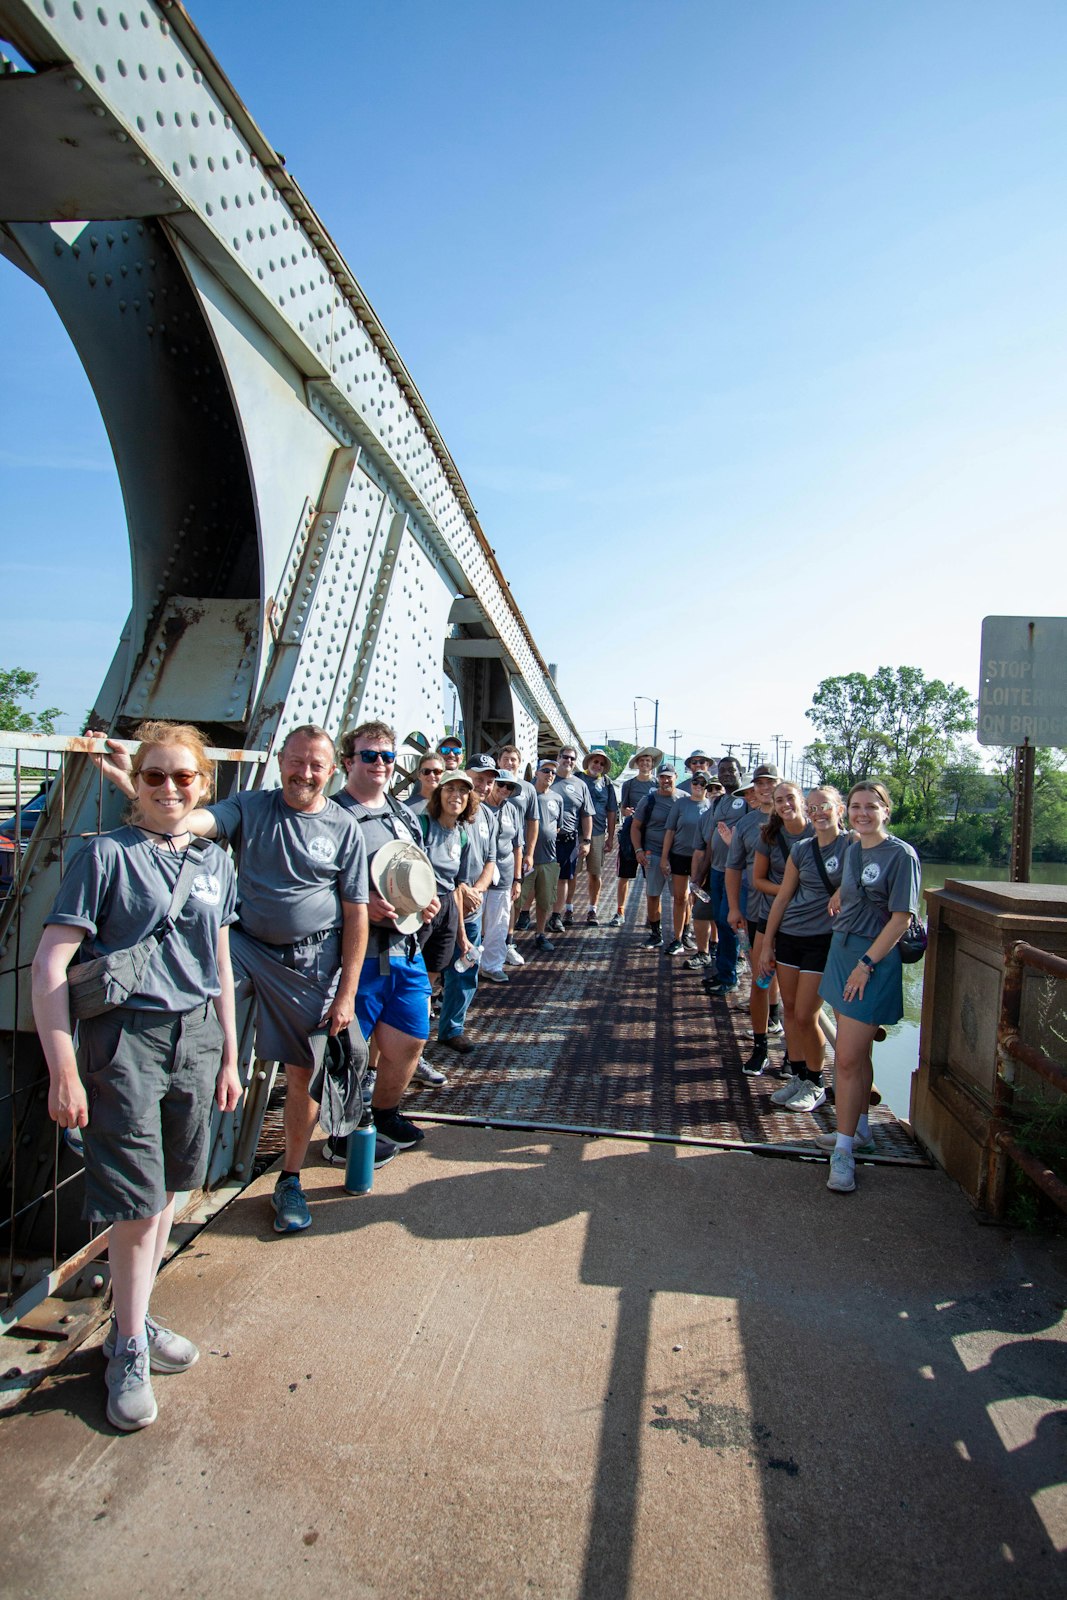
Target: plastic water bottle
698 894
470 959
764 981
359 1161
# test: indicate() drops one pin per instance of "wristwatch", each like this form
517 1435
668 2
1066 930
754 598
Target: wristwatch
866 961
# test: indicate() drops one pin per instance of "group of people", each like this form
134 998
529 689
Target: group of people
350 918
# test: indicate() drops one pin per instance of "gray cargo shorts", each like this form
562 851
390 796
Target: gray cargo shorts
150 1081
293 986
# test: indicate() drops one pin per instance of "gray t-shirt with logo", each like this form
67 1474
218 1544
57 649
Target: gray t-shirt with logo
806 913
510 831
448 850
550 810
602 795
684 818
775 857
652 815
891 877
728 808
741 855
481 834
119 887
576 803
294 868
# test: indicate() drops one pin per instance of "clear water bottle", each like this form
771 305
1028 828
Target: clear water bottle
699 894
470 959
764 981
359 1158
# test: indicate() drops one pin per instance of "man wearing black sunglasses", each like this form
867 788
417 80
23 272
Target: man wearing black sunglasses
393 999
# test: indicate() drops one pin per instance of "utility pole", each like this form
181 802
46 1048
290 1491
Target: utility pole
777 738
752 750
785 749
674 735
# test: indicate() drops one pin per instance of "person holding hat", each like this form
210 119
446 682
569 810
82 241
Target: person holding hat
540 885
634 789
501 895
574 834
648 827
696 761
597 765
393 997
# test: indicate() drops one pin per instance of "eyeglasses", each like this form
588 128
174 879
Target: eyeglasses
369 757
155 778
431 772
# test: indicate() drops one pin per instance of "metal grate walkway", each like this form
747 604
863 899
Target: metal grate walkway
605 1036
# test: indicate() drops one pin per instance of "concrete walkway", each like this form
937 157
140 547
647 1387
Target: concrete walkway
563 1367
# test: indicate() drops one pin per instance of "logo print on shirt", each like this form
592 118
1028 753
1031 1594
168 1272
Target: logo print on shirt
831 864
737 804
206 887
322 850
871 873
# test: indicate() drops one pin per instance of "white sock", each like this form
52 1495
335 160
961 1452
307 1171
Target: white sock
844 1142
863 1128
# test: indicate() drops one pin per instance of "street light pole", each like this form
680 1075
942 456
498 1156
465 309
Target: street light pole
655 721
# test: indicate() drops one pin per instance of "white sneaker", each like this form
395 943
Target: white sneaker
512 958
774 1026
860 1147
782 1096
809 1097
842 1179
427 1074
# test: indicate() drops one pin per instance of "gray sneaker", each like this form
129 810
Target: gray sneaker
860 1147
842 1179
782 1096
167 1351
130 1401
432 1077
291 1214
809 1097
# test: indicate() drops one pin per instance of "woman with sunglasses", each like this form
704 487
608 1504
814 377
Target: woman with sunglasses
863 980
143 1076
431 771
446 842
796 943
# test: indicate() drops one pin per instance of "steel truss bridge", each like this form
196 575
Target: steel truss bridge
303 548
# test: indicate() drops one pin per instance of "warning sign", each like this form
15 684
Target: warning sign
1023 694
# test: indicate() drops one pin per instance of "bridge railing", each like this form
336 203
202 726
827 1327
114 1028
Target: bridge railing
56 799
1043 1015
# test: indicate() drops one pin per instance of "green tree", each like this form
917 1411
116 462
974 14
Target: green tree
897 725
620 753
17 685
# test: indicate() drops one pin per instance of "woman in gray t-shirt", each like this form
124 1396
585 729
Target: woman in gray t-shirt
445 841
863 979
144 1077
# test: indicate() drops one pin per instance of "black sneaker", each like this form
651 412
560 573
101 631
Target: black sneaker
522 922
335 1152
397 1129
544 944
654 940
568 918
616 921
716 986
554 923
756 1064
675 947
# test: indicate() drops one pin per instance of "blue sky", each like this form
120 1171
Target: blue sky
745 325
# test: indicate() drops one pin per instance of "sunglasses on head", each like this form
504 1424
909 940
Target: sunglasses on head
369 757
155 777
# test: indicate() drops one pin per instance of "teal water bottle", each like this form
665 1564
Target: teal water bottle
359 1161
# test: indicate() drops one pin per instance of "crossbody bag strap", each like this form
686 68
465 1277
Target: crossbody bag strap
183 888
820 865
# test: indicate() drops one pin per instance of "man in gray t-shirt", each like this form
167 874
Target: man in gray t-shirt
299 944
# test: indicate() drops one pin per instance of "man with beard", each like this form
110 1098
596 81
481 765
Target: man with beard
299 944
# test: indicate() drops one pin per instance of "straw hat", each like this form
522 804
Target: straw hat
646 750
402 874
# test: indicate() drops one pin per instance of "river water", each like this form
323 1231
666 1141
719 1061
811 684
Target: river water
898 1056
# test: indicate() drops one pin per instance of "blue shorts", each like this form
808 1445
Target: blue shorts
400 997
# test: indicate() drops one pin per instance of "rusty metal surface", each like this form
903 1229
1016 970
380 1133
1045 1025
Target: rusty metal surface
1028 955
606 1036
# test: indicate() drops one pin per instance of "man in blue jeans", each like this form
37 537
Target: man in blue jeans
716 831
458 988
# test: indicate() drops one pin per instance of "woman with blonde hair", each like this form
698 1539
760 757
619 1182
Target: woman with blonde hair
145 1072
863 980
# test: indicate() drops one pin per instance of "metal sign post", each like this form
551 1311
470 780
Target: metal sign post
1022 703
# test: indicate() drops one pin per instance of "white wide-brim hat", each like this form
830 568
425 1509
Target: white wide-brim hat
403 875
646 750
